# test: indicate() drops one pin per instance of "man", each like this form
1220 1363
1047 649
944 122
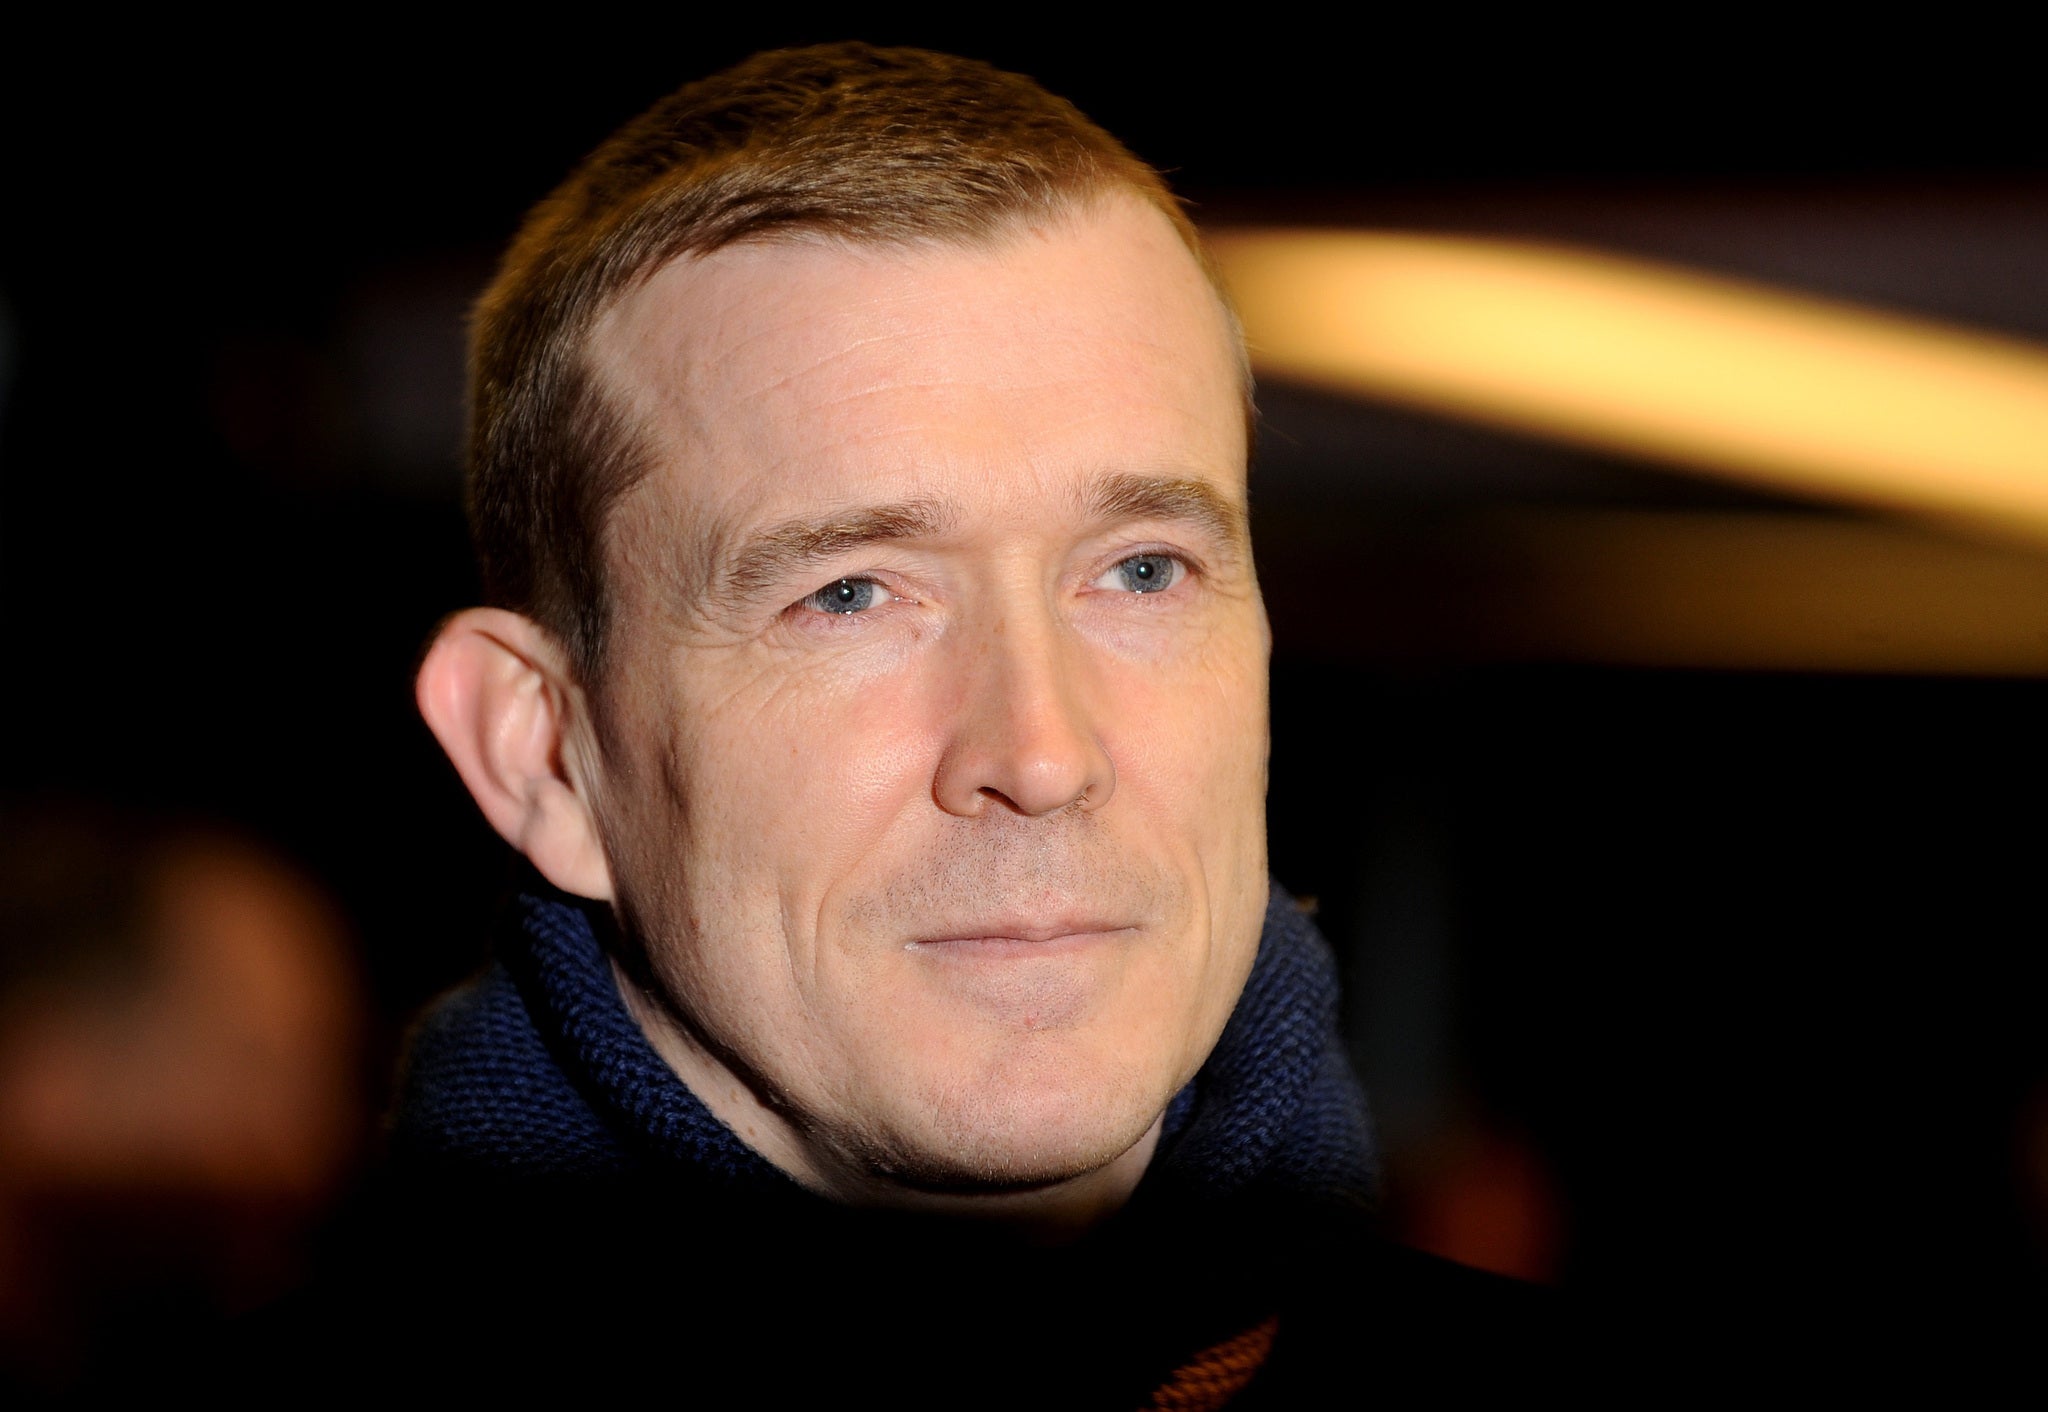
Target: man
876 677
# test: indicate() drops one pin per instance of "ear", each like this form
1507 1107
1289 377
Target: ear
497 692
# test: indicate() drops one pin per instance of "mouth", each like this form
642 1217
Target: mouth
1009 938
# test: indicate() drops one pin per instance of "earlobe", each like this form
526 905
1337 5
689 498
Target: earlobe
496 691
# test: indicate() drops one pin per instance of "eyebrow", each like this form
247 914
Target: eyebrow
1175 499
769 559
782 552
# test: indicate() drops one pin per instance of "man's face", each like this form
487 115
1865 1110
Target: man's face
934 735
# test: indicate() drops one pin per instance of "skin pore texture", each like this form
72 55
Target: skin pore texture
929 755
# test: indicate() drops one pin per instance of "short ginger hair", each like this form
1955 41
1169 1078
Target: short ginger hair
867 145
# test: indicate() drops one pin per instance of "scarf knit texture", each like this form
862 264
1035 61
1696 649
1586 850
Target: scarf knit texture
536 1069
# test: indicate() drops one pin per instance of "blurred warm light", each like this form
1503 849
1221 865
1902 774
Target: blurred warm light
1779 592
1796 393
1687 587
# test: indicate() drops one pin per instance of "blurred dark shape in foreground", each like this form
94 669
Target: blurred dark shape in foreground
180 1052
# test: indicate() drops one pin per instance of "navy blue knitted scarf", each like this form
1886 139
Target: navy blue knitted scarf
536 1069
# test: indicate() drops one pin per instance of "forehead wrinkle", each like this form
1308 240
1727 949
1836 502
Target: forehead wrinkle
791 372
773 555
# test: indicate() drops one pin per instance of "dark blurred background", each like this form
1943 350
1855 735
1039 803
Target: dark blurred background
1685 973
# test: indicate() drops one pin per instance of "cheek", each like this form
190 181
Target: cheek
802 778
1191 766
1195 726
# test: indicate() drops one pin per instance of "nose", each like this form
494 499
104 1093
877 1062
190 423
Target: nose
1024 736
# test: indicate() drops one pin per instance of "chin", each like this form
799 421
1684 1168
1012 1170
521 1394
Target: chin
1021 1135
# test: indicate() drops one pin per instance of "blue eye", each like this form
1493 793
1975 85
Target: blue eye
1145 573
845 596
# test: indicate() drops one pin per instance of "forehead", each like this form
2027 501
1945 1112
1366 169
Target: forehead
776 377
